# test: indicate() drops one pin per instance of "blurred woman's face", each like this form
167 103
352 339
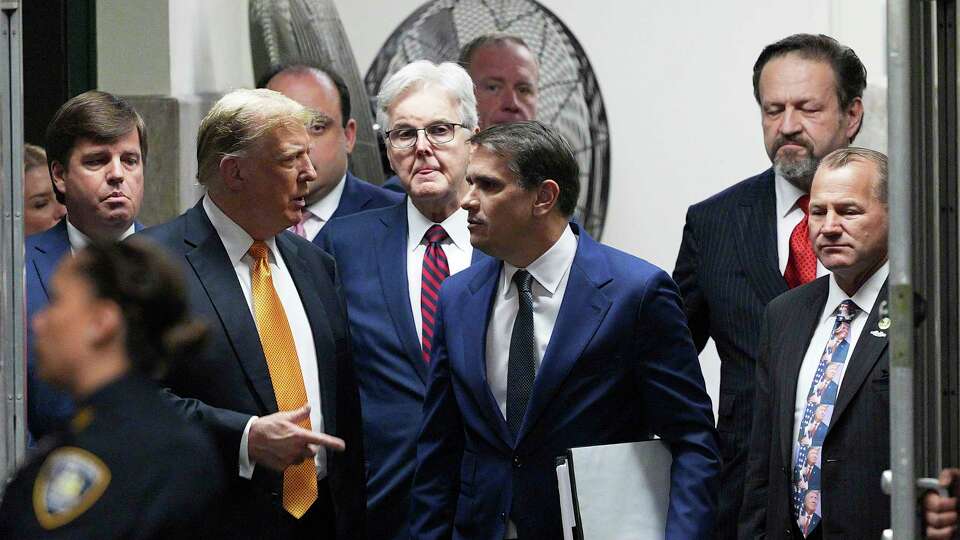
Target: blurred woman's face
65 332
40 207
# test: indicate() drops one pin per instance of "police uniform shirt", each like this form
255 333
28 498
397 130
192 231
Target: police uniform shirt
127 467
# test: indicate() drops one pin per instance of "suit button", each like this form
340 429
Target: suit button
503 516
516 462
788 532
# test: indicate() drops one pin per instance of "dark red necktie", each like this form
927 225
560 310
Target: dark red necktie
802 263
435 270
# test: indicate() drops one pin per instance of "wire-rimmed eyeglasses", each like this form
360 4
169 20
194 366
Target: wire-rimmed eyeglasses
406 137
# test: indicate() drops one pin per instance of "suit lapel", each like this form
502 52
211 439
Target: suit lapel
862 361
323 342
392 267
476 310
757 246
583 309
797 333
352 200
55 244
209 260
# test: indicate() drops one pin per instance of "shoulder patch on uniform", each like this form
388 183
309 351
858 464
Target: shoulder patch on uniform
70 481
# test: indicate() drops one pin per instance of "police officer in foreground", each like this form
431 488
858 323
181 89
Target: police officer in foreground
126 466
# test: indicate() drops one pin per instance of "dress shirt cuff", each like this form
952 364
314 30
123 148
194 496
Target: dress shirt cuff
246 466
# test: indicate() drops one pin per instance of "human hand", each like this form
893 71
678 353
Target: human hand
276 441
940 513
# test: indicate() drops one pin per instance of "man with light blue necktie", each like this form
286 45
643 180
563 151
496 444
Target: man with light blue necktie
820 436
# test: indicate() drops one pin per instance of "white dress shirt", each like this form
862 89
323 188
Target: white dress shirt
78 240
237 243
456 247
322 210
864 298
550 274
788 216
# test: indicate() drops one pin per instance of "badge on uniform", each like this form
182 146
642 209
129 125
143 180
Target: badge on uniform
70 481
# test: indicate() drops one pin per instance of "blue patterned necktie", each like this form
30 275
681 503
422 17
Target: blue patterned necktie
816 420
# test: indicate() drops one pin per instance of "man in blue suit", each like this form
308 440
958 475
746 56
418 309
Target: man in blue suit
96 149
275 383
557 342
388 265
335 193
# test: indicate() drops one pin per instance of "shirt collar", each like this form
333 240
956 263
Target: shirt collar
455 225
235 240
550 267
325 207
787 195
78 240
864 298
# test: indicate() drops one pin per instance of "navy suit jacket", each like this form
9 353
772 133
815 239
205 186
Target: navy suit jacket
47 407
620 367
358 196
728 271
230 382
393 184
371 253
856 445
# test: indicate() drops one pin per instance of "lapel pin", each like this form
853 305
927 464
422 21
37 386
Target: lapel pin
877 333
884 323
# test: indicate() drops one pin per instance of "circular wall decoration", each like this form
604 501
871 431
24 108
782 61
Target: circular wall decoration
570 98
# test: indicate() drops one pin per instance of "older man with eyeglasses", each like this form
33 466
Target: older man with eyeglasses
392 262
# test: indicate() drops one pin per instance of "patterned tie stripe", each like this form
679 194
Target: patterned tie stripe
300 480
802 262
821 399
435 270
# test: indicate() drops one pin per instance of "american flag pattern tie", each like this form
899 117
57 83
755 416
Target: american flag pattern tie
816 420
435 270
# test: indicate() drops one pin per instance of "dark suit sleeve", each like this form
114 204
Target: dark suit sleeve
351 516
672 389
225 425
753 512
439 450
686 274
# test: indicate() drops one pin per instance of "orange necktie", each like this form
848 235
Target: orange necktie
300 480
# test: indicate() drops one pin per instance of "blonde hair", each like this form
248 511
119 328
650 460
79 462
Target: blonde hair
238 121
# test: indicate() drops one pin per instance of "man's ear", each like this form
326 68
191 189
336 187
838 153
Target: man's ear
231 173
56 175
107 324
854 115
350 132
548 195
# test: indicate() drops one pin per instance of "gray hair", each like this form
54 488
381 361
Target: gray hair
239 121
842 157
415 75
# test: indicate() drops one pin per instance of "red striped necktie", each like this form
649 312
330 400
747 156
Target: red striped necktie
435 270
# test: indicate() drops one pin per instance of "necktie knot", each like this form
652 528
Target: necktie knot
524 281
803 203
259 250
847 311
435 234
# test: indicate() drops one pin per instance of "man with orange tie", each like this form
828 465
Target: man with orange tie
275 384
748 244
